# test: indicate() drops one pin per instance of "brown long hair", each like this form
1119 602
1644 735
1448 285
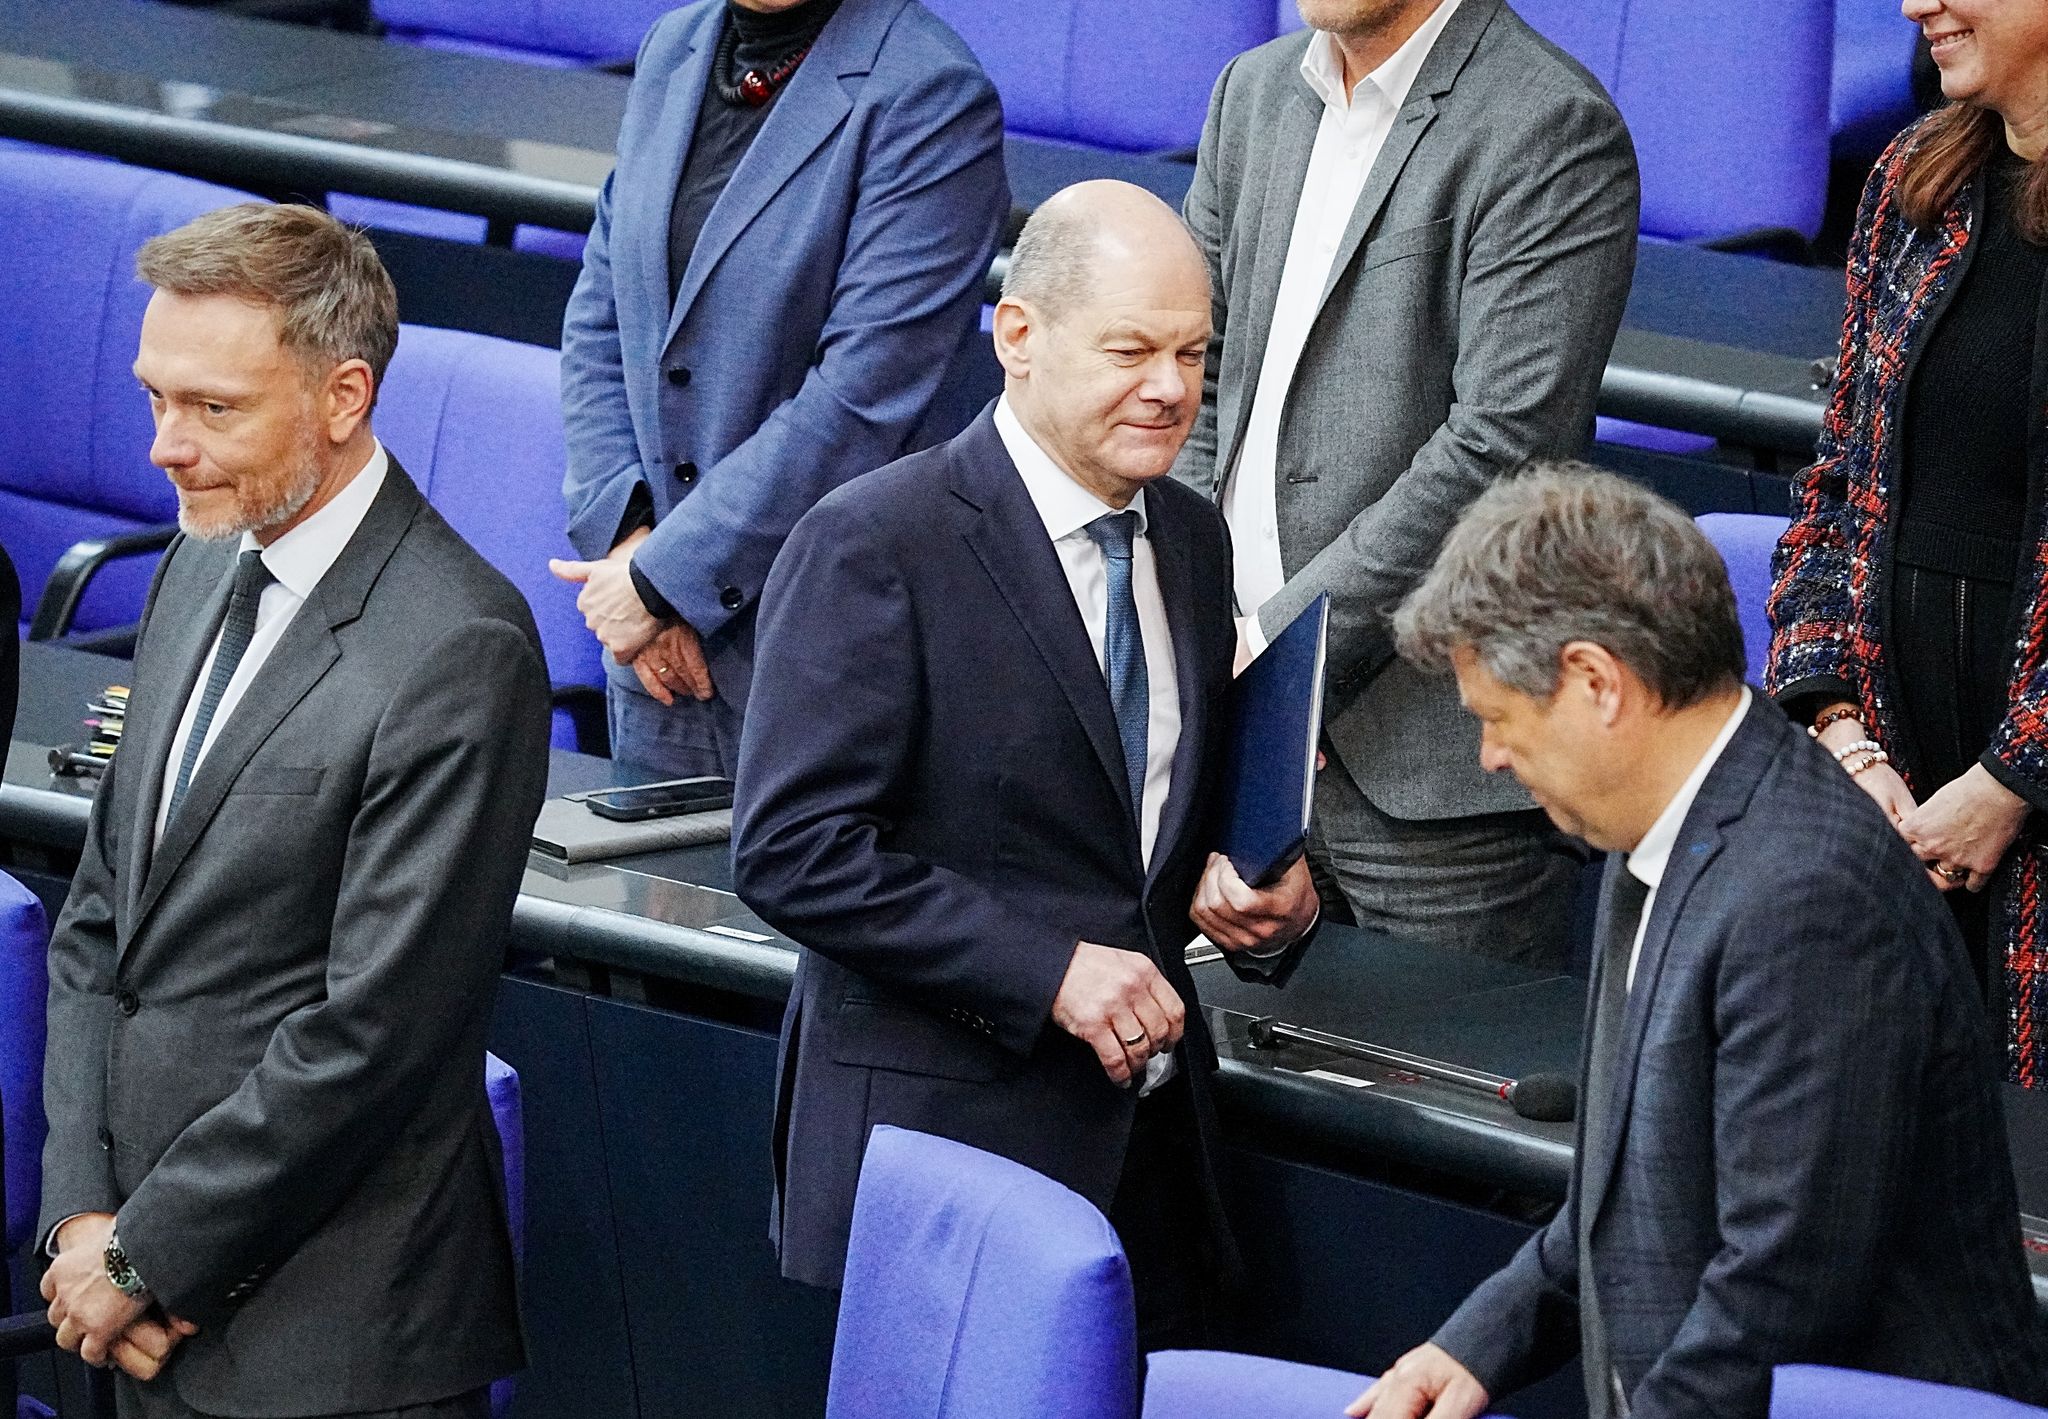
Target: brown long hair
1953 146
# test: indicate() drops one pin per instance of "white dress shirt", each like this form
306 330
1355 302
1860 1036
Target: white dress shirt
1653 854
1066 509
1353 130
297 560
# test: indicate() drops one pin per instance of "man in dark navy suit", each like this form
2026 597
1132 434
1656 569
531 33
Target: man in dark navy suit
1790 1149
974 773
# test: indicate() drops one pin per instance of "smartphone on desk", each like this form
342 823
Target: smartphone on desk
661 800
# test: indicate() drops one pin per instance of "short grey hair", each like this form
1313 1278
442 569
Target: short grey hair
1049 266
1563 552
334 298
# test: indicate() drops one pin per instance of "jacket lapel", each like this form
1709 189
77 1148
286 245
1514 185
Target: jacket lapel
1178 593
182 647
306 653
1010 542
671 147
1722 800
1447 57
810 111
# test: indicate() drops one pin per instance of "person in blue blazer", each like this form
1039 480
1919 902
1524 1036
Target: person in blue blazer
785 259
979 771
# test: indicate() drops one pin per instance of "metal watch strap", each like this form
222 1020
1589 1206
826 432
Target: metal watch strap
120 1271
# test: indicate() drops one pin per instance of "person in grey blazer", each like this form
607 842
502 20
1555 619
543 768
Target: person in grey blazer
272 1185
1790 1146
1420 220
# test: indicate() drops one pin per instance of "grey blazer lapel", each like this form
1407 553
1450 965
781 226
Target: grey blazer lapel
809 112
671 139
1447 59
307 652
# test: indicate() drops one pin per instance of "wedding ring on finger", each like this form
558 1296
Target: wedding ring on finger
1952 874
1135 1040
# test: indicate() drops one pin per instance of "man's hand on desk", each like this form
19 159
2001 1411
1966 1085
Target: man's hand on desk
1426 1383
672 662
1118 1004
1256 919
609 601
92 1317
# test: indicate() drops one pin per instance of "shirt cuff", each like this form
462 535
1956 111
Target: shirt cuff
1274 953
657 605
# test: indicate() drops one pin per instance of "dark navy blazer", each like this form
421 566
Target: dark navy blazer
834 278
1806 1159
932 801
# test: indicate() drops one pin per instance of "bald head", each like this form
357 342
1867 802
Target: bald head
1092 230
1102 331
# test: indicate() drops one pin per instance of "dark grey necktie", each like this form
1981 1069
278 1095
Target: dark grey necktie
251 576
1123 649
1622 915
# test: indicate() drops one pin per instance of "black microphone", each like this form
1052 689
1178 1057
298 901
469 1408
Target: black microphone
1543 1098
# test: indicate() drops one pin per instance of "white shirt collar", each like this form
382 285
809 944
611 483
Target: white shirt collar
1323 68
1646 864
1063 504
302 556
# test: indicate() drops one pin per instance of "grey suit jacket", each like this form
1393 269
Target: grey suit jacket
267 1034
1468 317
1802 1157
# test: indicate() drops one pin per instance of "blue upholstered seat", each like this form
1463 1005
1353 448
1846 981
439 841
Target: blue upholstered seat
975 1286
562 32
1821 1392
501 1082
1730 119
74 427
1872 93
1746 541
24 939
1215 1384
477 421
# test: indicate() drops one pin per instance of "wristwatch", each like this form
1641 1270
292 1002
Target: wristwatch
121 1271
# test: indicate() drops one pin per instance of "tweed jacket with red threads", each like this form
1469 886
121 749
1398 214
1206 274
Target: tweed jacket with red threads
1828 604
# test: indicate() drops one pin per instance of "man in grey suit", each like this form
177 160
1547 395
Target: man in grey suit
272 1185
1790 1148
1420 221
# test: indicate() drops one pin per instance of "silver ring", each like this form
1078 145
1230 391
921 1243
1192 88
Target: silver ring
1952 874
1136 1039
661 670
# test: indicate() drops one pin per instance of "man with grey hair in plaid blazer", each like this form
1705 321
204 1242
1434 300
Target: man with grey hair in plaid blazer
1790 1143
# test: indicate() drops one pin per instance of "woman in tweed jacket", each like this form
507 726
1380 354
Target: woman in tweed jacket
1910 612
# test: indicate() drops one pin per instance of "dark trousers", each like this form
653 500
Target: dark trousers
158 1401
1162 1219
1948 643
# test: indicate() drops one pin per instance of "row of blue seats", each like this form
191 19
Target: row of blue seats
475 420
1733 120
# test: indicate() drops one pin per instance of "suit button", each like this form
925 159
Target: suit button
679 376
732 598
686 472
127 1002
106 1140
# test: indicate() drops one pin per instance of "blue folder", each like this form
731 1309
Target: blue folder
1276 718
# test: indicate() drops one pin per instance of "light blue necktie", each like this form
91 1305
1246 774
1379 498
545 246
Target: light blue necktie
1123 649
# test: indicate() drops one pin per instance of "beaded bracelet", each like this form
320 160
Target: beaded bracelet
1834 716
1859 747
1871 760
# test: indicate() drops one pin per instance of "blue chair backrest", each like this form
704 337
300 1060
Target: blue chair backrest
574 31
477 421
1131 75
24 991
1872 94
1217 1384
508 1112
1822 1392
975 1286
74 428
1746 541
1730 117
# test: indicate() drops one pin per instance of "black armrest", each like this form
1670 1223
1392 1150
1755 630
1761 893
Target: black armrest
26 1334
584 704
75 570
